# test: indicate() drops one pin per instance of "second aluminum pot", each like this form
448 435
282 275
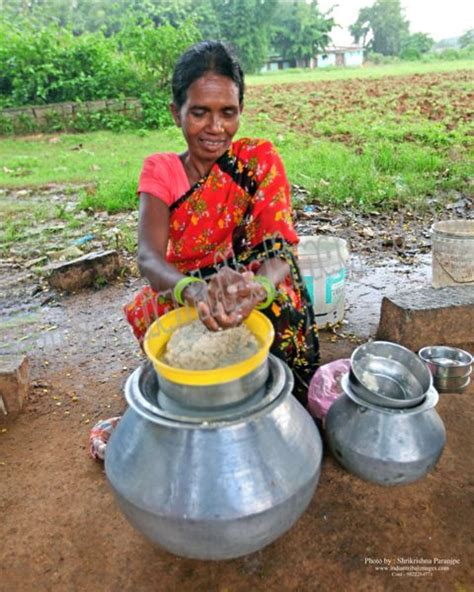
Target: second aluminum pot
385 446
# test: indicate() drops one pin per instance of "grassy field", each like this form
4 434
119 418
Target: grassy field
369 137
368 71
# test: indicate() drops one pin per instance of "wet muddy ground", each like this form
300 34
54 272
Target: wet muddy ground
369 281
62 531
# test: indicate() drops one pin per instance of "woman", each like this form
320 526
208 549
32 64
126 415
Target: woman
215 227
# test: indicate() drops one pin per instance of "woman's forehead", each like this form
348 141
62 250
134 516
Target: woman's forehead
211 87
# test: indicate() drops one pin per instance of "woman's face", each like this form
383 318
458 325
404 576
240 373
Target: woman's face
210 116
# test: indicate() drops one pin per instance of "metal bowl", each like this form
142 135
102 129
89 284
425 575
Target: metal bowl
453 384
389 375
431 400
216 396
209 389
447 362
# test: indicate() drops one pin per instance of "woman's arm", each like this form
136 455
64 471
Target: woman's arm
153 230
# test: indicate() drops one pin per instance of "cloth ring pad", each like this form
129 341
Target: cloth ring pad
99 436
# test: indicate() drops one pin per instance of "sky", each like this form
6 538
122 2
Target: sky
439 18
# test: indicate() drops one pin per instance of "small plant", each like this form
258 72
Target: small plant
60 212
116 196
73 222
127 238
100 282
6 125
11 234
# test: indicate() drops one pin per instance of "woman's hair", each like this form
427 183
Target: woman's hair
203 57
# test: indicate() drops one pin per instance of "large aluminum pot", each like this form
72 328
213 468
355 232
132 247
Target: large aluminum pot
216 487
385 446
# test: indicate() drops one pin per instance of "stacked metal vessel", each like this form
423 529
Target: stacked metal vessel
385 428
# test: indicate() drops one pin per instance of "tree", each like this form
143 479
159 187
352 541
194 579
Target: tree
386 24
301 30
206 17
156 48
361 28
415 45
247 25
467 39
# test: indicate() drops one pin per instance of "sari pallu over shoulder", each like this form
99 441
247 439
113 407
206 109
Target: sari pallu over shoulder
244 200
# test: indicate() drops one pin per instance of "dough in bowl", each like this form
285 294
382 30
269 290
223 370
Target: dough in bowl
194 347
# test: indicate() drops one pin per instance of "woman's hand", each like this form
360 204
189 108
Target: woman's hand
227 300
232 296
196 294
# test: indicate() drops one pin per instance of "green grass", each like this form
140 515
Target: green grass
364 72
363 138
380 175
78 158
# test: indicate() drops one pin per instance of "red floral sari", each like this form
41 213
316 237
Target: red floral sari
240 215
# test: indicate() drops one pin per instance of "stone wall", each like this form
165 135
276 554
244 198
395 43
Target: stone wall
62 115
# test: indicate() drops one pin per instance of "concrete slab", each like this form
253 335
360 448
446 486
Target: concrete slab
429 316
85 271
14 384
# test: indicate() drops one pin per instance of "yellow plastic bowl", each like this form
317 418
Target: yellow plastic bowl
161 330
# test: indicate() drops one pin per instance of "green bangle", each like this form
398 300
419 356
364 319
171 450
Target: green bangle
181 285
270 290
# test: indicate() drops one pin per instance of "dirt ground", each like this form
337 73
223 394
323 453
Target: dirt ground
62 531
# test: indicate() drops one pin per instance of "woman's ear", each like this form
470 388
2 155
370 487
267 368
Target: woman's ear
175 113
241 106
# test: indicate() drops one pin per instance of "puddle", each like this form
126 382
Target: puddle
368 282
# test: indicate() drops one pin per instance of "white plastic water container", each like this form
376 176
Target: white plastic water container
452 247
323 265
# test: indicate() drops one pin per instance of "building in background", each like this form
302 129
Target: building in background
276 62
352 55
333 56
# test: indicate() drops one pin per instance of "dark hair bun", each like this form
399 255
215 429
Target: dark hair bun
205 56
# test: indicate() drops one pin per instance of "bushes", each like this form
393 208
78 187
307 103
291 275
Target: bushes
51 65
411 54
378 58
449 54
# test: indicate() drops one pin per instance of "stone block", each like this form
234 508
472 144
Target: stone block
84 271
67 109
14 384
93 106
42 113
429 316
